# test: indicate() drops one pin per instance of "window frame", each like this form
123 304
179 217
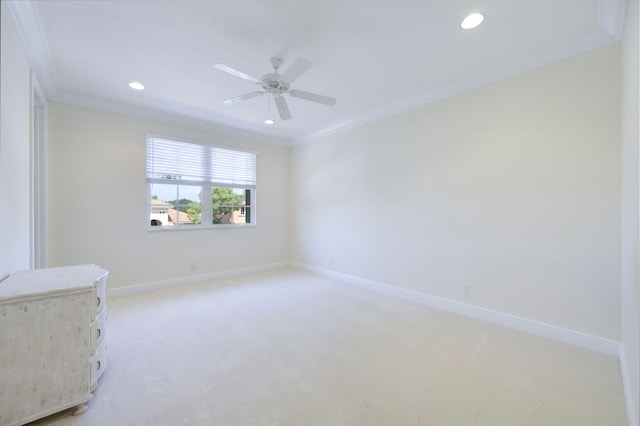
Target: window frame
206 203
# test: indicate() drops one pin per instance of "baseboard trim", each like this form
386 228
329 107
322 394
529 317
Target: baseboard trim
193 279
626 384
500 318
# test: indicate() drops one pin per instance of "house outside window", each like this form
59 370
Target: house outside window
192 185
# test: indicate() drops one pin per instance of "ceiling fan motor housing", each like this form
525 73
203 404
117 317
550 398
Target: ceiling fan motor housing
272 84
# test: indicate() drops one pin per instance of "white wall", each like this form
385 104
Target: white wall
512 189
15 134
630 210
97 207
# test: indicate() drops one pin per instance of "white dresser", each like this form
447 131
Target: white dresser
52 340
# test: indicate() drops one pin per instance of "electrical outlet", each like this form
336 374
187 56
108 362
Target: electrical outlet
194 266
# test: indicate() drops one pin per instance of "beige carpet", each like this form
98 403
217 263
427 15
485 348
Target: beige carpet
291 348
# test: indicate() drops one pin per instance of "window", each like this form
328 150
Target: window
191 185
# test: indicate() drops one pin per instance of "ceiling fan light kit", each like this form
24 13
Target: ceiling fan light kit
277 85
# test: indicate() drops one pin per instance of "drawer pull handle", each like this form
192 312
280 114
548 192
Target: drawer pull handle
99 333
98 366
98 301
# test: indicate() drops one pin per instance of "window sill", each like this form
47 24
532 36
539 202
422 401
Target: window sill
175 228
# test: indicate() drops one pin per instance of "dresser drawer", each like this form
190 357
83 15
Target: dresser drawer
98 330
98 364
100 296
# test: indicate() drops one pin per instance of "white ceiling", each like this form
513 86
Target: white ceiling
377 57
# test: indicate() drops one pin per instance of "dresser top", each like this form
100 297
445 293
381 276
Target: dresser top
50 280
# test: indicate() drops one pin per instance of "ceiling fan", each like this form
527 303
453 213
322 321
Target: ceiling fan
276 85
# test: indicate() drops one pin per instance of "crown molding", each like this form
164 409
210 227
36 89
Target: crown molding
190 118
588 41
611 27
28 26
612 16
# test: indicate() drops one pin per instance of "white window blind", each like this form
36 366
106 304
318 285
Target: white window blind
194 164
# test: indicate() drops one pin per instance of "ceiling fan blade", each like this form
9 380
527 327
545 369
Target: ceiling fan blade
233 71
283 109
295 70
312 97
244 97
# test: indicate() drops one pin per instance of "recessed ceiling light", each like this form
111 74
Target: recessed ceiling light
472 21
269 122
136 85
